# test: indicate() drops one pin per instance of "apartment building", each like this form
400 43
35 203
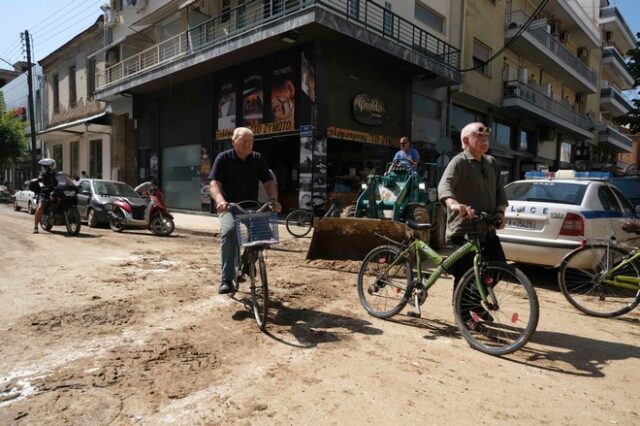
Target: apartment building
78 132
328 86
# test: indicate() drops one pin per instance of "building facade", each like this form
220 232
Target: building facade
328 87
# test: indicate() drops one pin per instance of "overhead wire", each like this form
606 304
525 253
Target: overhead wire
49 19
522 29
67 18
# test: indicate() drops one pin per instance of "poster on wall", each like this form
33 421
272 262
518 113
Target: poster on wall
227 106
283 95
308 78
319 171
305 183
205 169
252 101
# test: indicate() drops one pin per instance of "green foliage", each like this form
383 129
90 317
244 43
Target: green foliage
632 118
12 140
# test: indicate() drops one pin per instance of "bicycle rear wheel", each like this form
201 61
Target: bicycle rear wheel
259 291
382 287
506 320
299 222
581 280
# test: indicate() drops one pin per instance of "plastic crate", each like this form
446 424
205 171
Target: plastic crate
255 229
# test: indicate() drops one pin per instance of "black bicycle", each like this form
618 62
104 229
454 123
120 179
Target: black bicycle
256 230
300 221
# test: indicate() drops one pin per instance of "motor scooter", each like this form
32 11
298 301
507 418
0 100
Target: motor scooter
123 213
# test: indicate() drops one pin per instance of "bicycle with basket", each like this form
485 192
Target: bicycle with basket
256 230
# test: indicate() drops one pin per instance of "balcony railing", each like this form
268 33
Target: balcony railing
518 18
517 89
255 13
612 11
610 92
608 132
612 52
585 18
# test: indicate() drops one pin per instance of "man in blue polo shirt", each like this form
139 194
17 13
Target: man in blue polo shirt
406 157
234 178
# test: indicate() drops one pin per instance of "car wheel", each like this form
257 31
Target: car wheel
31 208
92 218
16 207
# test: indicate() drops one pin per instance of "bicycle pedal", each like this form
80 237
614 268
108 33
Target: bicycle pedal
414 314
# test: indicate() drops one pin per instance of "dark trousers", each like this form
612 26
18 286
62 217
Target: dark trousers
491 250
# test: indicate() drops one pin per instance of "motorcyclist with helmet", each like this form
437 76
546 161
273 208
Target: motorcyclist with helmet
48 182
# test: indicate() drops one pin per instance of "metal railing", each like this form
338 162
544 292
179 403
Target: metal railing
612 11
585 17
518 89
609 132
613 52
539 32
255 13
611 92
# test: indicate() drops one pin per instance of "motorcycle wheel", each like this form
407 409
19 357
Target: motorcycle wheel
162 225
46 222
72 221
116 224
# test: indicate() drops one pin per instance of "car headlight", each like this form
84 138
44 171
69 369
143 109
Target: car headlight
422 186
363 186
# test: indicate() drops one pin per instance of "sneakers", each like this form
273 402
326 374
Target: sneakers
35 229
227 286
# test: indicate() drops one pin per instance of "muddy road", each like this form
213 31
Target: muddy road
118 329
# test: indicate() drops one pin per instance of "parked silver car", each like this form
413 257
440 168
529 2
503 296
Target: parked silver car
25 199
96 193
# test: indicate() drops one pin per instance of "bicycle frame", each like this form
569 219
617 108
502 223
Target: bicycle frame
624 281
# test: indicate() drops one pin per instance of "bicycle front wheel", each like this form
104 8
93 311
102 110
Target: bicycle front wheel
505 321
260 291
299 222
383 281
582 276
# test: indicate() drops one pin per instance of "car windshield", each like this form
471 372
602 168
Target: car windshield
119 189
548 191
630 188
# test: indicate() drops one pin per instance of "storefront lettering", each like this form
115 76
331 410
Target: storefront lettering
353 135
368 109
260 129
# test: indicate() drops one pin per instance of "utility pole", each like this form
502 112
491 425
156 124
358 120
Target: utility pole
32 115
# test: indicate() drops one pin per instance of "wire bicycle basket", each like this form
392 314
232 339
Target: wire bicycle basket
257 229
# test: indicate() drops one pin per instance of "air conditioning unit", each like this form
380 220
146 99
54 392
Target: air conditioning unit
580 98
554 27
608 36
109 18
582 52
564 36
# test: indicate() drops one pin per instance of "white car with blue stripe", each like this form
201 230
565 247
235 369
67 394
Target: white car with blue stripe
549 214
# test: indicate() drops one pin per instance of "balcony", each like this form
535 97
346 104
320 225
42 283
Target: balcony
615 68
614 102
529 100
612 21
613 139
576 21
540 47
257 21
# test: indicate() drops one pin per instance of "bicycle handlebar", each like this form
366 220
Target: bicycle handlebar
238 207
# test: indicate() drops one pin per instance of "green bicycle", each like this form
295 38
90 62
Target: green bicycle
495 304
601 278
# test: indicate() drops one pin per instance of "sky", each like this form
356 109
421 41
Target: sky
52 23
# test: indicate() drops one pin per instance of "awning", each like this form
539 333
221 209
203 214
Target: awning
75 128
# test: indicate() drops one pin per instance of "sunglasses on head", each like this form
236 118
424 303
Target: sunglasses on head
482 130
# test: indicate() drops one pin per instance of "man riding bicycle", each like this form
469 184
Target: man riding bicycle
47 181
234 178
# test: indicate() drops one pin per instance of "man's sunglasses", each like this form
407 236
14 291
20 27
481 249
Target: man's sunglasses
482 131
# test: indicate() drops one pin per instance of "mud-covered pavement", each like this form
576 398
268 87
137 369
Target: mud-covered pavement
128 328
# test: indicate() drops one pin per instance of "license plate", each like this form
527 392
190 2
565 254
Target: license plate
520 224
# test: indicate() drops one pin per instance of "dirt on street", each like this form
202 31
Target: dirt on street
118 329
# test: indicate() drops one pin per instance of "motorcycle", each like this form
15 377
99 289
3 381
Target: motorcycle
63 207
123 213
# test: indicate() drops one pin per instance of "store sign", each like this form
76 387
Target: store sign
353 135
368 110
260 129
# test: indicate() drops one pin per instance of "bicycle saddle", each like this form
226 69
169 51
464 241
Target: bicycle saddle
418 226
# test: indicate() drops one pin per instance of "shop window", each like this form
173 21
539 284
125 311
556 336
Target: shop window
429 18
460 117
502 134
95 158
57 156
426 107
73 148
481 55
565 152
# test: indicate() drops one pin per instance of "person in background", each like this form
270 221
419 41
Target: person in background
406 157
47 181
234 177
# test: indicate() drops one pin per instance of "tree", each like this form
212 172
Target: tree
12 140
632 118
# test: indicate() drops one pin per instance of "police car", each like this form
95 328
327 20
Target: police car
549 214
